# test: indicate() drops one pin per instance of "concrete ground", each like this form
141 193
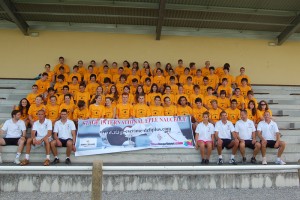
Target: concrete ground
220 194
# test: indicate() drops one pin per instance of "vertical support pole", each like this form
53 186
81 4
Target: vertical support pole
299 171
97 180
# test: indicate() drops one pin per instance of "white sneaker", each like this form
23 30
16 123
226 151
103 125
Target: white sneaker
280 162
17 161
0 160
264 161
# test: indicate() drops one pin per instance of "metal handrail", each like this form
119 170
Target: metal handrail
150 168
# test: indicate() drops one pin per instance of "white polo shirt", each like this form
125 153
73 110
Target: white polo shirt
268 130
13 130
64 130
42 129
245 129
224 130
205 131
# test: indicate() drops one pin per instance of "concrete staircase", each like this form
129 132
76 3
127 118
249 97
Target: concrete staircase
285 109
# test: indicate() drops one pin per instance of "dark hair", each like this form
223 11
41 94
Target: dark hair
244 79
128 64
82 84
75 77
107 80
254 110
45 74
212 68
149 74
65 86
64 110
116 94
94 99
154 84
222 92
62 77
233 101
14 112
21 107
227 65
93 75
137 94
80 104
192 64
198 100
61 58
137 65
259 105
67 95
75 66
50 89
168 67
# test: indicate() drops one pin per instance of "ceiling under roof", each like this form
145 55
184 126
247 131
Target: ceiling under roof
273 19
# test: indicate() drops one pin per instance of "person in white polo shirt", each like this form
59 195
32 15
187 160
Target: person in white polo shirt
269 136
245 130
41 135
64 136
15 130
205 138
223 130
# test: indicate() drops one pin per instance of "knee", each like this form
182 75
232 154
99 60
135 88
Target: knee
282 144
257 145
236 142
69 143
53 143
242 144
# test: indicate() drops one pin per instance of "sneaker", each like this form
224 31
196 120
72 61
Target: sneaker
207 161
55 161
17 161
0 160
280 162
264 161
232 161
24 162
47 162
203 161
68 161
244 160
220 161
253 160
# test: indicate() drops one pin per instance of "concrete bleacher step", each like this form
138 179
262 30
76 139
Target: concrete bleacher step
291 154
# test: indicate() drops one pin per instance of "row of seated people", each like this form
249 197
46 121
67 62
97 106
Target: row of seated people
105 71
105 106
120 80
224 132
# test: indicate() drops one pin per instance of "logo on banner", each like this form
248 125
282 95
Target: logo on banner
87 143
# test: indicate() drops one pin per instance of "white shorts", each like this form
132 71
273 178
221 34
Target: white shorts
42 144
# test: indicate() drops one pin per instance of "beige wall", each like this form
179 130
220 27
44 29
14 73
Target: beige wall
24 57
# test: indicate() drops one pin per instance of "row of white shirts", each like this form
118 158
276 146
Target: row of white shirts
243 128
64 130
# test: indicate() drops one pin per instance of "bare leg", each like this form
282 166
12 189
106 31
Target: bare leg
202 149
209 149
256 149
21 145
281 148
69 147
53 147
242 148
28 145
263 148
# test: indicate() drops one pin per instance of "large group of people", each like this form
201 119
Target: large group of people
222 107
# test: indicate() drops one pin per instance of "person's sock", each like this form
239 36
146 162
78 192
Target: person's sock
67 158
232 156
27 156
48 157
220 156
18 155
56 157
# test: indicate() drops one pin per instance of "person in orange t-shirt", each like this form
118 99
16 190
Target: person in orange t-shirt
208 98
61 71
169 108
87 75
96 110
238 79
157 109
214 112
52 110
34 93
104 74
213 79
141 109
68 105
60 84
81 69
74 86
223 101
198 112
239 98
196 94
193 69
43 84
61 63
34 108
205 69
245 88
183 108
225 87
232 112
114 69
124 110
198 78
159 79
51 76
179 70
109 109
75 73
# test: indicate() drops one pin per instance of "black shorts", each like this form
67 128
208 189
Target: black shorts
64 142
271 144
226 143
248 143
11 141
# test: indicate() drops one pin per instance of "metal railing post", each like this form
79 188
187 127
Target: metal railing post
97 180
